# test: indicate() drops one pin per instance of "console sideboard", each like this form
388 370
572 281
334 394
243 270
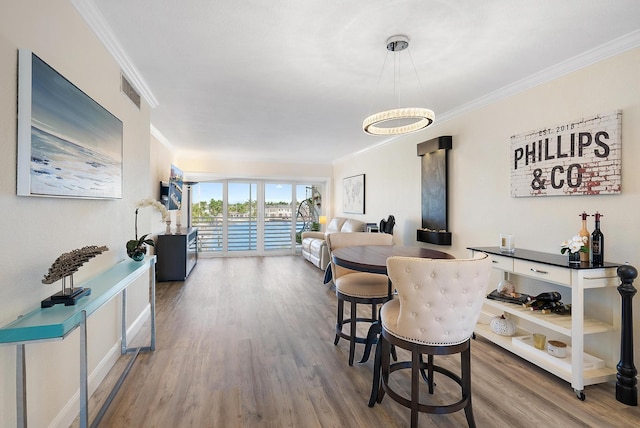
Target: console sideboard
575 283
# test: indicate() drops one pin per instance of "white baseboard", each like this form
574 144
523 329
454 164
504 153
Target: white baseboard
71 410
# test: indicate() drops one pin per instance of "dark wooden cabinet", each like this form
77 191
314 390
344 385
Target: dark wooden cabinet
177 255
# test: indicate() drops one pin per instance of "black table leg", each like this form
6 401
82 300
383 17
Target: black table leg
376 376
375 329
372 338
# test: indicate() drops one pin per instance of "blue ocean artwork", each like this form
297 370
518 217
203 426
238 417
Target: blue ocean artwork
175 188
64 168
76 144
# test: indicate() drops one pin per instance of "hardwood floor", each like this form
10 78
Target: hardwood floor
248 342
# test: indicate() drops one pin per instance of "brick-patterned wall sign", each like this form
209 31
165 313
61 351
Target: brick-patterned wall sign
580 157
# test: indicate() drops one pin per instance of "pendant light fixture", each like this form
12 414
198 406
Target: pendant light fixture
417 117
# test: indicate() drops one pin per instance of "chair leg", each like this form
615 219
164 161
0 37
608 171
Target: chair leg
428 378
465 362
415 386
430 372
352 333
339 318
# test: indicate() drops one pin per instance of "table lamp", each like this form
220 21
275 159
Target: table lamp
322 220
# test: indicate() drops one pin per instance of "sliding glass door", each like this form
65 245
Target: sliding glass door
237 217
278 223
242 216
207 214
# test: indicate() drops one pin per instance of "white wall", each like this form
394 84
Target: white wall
480 205
35 231
161 159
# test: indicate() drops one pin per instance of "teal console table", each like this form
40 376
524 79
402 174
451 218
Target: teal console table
57 322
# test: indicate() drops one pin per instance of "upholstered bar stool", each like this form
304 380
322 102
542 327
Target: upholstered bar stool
437 308
357 287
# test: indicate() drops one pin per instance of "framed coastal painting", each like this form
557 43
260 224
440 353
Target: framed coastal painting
68 145
353 194
175 188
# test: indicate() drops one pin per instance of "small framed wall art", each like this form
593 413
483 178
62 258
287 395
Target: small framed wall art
68 145
353 194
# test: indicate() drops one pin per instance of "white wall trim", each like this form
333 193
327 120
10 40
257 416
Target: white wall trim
160 137
72 409
96 22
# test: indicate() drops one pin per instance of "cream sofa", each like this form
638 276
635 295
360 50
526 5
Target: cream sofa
314 246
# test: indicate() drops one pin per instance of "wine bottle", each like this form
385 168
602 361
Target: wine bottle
547 296
597 243
584 256
541 305
560 310
534 306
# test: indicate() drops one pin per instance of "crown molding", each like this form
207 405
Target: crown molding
96 22
160 137
600 53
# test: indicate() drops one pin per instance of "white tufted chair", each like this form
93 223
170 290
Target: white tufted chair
357 287
437 308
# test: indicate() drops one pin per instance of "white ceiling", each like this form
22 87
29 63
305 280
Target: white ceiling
292 80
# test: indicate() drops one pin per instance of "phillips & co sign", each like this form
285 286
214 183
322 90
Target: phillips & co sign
580 157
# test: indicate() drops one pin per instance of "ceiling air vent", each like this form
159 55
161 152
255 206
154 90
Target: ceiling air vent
129 91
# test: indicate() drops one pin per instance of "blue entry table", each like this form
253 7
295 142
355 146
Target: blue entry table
55 323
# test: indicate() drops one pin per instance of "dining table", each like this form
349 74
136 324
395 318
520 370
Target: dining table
373 259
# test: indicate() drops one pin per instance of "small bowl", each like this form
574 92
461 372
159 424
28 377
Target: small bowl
556 348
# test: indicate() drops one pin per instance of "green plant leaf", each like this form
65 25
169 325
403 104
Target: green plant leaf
131 245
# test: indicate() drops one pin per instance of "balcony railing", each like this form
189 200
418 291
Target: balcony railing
243 234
